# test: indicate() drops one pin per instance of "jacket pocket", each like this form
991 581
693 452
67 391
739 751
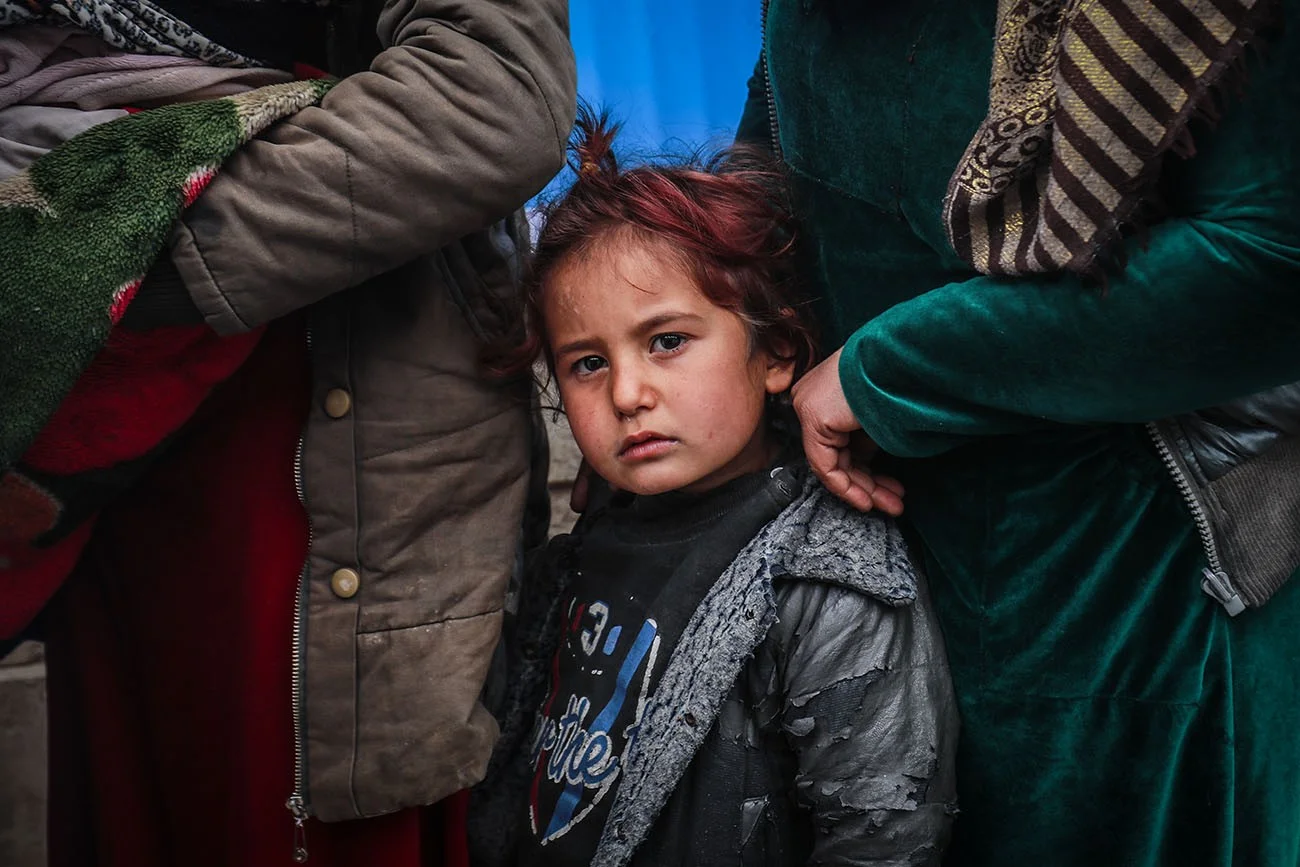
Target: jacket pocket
1255 513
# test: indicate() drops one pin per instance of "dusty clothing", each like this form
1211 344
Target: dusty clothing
413 465
805 713
385 211
171 739
635 576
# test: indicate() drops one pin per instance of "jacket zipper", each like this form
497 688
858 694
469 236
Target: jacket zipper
1214 581
297 802
767 85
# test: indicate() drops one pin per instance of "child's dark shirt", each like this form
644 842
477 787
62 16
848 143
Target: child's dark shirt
640 569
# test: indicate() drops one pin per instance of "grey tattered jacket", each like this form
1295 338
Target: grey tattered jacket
805 716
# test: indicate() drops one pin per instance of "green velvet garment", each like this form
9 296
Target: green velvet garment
1112 713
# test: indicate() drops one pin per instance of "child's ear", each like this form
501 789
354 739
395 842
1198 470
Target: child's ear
780 369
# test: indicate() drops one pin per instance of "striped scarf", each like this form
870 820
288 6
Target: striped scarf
1085 97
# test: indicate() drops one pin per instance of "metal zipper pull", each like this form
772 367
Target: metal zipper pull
1217 584
298 808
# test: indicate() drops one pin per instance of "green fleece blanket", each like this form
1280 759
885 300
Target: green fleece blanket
79 229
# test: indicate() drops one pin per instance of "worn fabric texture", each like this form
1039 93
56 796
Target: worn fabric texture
65 68
28 132
1242 479
78 229
388 210
805 714
464 110
1112 712
642 565
143 666
1084 100
136 26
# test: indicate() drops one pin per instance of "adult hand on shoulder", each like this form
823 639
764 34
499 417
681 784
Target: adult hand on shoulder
838 450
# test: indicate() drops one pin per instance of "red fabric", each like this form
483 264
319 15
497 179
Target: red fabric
32 575
139 389
303 71
455 826
27 510
169 656
142 386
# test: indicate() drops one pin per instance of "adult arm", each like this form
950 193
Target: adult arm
870 713
1207 309
457 122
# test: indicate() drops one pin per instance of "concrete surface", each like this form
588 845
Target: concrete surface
565 459
22 758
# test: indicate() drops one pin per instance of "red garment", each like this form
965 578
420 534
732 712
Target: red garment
139 389
169 655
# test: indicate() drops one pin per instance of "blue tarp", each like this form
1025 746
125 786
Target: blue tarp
673 71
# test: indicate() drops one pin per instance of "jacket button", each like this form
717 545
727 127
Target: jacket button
689 719
345 583
338 403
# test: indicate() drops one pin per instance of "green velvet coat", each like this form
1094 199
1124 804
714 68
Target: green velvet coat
1112 713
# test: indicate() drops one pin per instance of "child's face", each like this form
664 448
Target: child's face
663 388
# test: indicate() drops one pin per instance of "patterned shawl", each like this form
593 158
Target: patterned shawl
1085 97
135 26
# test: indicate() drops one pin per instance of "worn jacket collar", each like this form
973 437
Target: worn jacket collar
815 538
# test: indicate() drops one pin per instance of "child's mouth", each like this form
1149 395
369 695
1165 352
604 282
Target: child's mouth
643 446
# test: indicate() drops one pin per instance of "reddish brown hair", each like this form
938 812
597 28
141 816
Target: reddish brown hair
727 217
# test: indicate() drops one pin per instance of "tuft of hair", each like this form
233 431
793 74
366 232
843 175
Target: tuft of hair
726 216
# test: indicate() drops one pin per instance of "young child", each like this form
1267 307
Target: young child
722 664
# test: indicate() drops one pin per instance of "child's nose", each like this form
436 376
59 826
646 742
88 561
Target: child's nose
631 390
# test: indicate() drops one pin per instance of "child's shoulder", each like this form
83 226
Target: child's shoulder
846 589
818 538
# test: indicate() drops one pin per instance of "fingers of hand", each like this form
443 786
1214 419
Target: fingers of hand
857 486
848 489
890 484
887 501
822 448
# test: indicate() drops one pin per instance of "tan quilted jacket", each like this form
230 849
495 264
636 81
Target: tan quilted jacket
385 211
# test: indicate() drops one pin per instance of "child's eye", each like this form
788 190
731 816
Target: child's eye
588 364
667 342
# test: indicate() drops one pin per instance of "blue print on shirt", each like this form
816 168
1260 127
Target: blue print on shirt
569 751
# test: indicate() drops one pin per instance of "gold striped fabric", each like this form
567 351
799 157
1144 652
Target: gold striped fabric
1085 96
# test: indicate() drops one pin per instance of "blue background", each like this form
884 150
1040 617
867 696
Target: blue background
673 71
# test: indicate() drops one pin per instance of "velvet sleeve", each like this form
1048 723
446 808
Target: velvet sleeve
1207 309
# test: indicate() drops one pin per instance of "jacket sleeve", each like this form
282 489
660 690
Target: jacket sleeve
755 125
459 120
1207 309
870 714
